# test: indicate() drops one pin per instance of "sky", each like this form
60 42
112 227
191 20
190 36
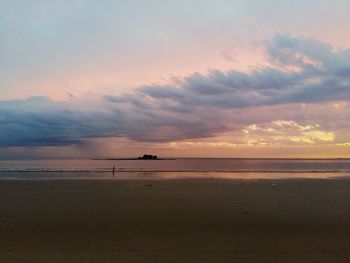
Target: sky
187 78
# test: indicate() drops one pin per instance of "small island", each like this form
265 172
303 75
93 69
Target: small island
144 157
148 157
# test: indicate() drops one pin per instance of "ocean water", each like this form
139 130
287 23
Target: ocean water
174 168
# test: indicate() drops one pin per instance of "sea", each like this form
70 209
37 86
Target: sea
179 168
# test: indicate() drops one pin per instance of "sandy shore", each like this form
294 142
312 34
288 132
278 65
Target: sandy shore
175 221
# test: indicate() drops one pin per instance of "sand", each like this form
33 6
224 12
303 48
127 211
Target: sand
175 221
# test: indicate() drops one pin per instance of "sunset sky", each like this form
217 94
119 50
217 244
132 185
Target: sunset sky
191 78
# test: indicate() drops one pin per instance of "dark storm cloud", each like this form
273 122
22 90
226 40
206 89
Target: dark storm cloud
39 121
302 71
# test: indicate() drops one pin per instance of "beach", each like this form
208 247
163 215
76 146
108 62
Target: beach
187 220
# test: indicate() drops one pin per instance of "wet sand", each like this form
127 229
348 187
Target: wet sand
175 221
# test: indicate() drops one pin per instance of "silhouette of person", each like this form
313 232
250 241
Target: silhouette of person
113 170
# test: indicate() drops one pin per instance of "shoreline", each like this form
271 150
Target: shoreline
174 171
167 175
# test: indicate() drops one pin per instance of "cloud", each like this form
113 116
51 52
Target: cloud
274 133
286 132
304 81
39 121
320 74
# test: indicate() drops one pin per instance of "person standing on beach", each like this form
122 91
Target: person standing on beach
113 170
